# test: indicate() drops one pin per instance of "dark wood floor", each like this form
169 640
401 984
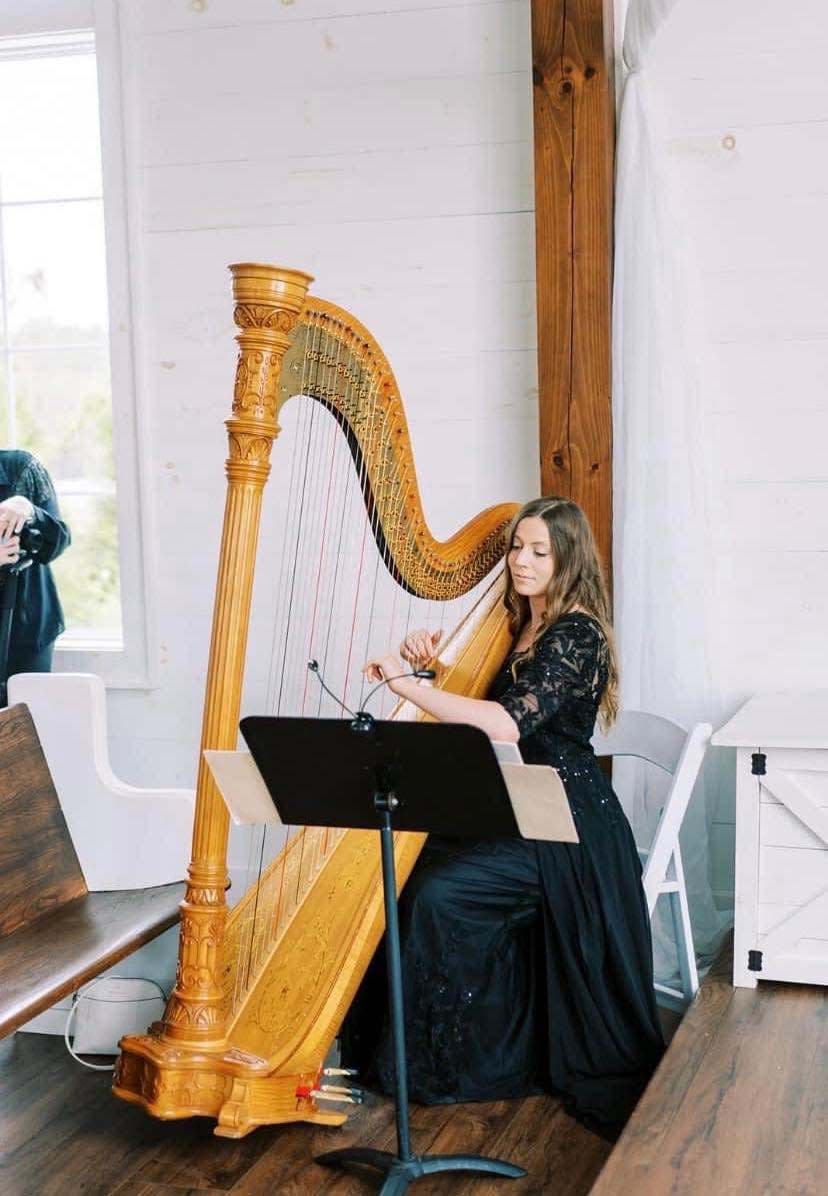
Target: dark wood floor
63 1134
738 1107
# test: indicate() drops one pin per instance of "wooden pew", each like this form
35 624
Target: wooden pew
54 934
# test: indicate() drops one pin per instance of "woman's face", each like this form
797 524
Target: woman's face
530 558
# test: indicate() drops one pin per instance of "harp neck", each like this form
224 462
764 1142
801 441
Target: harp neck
334 359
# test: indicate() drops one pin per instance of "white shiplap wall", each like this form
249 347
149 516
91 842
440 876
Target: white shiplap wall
385 147
745 96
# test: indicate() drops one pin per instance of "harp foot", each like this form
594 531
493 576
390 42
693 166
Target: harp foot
399 1173
230 1085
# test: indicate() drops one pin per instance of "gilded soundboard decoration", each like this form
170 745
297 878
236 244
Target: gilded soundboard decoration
261 991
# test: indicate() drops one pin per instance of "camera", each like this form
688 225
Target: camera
31 541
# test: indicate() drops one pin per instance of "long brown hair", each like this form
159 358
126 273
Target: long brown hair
578 581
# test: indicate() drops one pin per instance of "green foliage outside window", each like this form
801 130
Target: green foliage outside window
63 414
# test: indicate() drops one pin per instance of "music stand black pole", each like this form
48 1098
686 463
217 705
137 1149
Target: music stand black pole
387 776
386 804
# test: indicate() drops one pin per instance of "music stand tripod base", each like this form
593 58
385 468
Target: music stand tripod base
401 1172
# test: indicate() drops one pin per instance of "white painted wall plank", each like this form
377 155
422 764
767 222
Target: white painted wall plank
709 33
262 63
355 117
376 185
162 16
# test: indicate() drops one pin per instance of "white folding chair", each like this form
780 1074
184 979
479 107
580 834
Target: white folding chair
680 753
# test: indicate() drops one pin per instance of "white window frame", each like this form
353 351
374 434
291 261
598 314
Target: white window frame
134 664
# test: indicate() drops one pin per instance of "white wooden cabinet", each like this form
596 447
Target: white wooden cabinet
781 907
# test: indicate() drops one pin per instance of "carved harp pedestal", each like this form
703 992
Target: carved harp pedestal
262 988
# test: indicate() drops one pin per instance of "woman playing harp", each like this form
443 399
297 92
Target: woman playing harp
528 965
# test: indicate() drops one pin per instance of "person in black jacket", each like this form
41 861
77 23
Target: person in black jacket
28 499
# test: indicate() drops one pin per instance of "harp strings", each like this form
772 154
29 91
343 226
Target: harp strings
335 597
309 838
305 484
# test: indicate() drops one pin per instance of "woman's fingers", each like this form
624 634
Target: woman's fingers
380 668
425 646
419 647
409 648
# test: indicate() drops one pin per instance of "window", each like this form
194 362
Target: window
56 385
64 284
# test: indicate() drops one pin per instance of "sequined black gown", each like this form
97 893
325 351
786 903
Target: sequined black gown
527 966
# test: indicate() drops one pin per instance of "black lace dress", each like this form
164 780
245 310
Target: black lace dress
527 966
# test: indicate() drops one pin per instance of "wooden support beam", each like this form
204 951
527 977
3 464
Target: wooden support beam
574 106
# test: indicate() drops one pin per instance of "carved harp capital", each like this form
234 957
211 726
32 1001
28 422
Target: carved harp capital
268 301
254 394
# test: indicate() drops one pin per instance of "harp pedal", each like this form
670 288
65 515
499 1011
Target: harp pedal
333 1093
349 1094
327 1092
355 1094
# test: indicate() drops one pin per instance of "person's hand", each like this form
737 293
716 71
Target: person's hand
14 512
381 668
420 647
10 551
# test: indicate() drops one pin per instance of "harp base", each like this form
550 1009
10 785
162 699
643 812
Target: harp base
399 1173
231 1086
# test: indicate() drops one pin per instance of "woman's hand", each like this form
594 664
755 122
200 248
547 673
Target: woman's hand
420 647
14 512
381 668
10 551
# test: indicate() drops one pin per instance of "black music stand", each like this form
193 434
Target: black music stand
387 776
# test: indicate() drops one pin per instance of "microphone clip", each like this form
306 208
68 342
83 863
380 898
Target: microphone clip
363 722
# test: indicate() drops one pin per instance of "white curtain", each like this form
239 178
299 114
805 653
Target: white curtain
663 551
